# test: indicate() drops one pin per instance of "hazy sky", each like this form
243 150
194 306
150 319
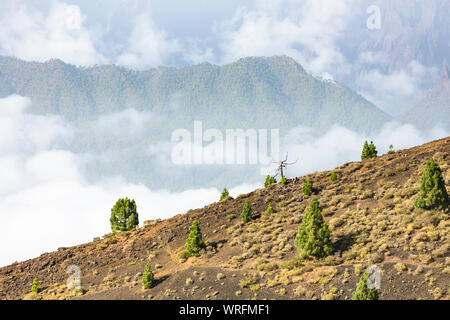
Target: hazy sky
141 34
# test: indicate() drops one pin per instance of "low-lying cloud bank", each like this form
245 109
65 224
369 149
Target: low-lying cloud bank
48 202
340 145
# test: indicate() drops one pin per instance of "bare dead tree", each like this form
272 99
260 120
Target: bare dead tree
282 165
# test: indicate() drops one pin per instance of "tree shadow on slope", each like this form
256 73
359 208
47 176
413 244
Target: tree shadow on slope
159 280
345 242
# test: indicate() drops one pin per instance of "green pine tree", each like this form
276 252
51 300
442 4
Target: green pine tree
391 149
369 151
307 187
283 180
269 209
148 277
35 286
269 180
365 151
194 243
372 150
363 292
246 212
224 194
333 176
313 236
124 215
432 188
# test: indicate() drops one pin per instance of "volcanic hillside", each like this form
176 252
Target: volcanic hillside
369 211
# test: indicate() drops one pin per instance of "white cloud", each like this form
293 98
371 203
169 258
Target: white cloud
21 132
308 31
397 91
54 29
30 34
340 145
196 51
130 121
372 58
148 46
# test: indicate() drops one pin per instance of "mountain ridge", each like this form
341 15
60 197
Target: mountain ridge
277 87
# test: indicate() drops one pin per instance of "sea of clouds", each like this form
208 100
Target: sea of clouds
48 203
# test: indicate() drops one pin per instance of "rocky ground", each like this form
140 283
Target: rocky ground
369 210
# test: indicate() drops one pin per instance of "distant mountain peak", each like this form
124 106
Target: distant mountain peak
55 61
278 87
275 58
